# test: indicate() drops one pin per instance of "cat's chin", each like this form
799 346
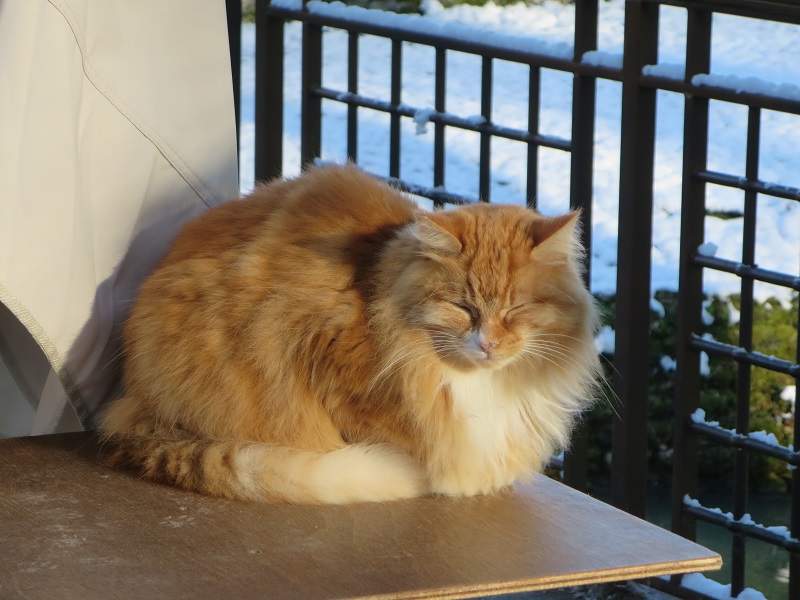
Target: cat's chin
473 362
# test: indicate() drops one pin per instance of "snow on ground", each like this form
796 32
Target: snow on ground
739 57
700 583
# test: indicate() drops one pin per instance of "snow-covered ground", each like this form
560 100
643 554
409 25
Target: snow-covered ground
738 49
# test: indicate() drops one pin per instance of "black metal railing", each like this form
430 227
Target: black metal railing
696 178
638 137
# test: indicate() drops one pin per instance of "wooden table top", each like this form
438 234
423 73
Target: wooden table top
71 528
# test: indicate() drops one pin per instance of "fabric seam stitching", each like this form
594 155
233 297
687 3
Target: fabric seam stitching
172 156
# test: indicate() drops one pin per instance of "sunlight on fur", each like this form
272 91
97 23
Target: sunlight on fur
326 341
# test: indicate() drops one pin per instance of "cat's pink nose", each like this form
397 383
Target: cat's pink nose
487 345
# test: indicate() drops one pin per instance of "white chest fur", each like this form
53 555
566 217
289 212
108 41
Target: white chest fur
498 433
485 409
488 430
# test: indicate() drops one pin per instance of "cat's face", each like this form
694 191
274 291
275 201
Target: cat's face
492 285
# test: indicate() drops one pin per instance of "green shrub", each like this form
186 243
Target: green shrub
774 333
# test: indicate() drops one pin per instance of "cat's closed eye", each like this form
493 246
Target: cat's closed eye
470 311
521 306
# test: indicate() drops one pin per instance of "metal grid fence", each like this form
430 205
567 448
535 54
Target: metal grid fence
629 469
696 178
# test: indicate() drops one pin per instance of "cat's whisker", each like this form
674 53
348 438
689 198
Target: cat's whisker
611 401
555 358
554 307
410 359
115 357
533 353
430 295
564 335
608 362
536 352
564 352
395 361
559 345
603 390
614 398
561 291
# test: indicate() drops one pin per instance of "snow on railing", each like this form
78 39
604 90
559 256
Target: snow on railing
740 85
666 71
749 85
598 58
699 416
760 441
746 519
748 357
784 97
776 535
418 24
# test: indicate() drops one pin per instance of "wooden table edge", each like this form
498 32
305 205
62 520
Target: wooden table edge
712 563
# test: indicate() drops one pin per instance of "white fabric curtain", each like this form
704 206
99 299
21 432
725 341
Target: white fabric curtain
116 126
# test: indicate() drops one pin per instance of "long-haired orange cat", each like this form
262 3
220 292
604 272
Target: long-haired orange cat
326 341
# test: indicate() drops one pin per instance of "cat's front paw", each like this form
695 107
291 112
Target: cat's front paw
473 484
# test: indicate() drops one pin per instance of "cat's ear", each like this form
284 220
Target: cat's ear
433 235
557 236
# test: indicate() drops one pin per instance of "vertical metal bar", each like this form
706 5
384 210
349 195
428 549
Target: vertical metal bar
583 115
396 98
269 94
581 179
534 85
751 172
794 525
352 87
485 161
629 441
741 474
690 279
233 10
394 123
439 104
311 103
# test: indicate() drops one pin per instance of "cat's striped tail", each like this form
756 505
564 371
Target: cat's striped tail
253 471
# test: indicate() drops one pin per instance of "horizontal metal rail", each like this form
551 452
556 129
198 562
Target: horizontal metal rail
526 57
737 440
748 271
742 183
438 196
741 355
747 529
786 11
725 94
404 110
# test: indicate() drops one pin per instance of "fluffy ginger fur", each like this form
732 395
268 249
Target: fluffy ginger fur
326 341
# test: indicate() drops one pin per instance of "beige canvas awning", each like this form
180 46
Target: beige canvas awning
116 126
